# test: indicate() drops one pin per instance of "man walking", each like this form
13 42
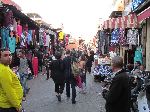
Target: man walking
69 77
118 97
11 92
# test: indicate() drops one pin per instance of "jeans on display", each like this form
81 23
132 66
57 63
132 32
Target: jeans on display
5 35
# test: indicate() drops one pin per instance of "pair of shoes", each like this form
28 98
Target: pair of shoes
47 78
73 102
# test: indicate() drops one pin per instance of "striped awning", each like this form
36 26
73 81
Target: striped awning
144 15
10 2
129 21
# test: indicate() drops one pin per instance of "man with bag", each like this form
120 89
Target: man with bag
69 78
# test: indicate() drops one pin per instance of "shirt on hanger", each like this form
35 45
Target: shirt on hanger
47 40
19 30
138 55
115 37
132 37
122 38
12 44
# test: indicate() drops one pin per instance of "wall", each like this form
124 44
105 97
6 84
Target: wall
118 5
148 46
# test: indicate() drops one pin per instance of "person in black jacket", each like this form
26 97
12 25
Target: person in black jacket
90 60
118 97
69 78
57 74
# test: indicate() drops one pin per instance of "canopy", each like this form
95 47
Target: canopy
129 21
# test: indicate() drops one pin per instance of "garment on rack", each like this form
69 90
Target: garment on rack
14 25
23 40
138 55
115 37
101 37
47 40
8 18
44 38
103 70
132 37
12 44
41 38
19 30
122 38
29 37
5 35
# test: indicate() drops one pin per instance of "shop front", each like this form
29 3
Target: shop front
124 36
17 31
143 15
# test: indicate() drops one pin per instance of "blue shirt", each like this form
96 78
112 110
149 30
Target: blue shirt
138 55
12 44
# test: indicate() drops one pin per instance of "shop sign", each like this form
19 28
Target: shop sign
136 4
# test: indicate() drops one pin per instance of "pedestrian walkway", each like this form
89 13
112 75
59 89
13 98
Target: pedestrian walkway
41 98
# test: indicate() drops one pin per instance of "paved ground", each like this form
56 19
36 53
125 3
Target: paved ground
42 98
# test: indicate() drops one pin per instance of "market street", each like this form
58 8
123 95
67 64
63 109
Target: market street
41 98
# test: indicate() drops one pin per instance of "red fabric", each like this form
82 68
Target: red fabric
112 48
119 22
78 81
19 30
123 22
35 66
113 22
145 14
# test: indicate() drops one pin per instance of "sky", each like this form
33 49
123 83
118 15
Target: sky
79 17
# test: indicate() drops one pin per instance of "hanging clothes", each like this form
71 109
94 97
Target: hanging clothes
122 38
5 35
12 44
115 37
29 37
101 37
132 37
41 38
44 38
47 40
23 40
14 25
8 18
35 66
138 55
19 30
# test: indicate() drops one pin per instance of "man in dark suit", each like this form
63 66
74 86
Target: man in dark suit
118 97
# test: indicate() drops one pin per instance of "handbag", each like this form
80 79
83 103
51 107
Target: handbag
78 81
